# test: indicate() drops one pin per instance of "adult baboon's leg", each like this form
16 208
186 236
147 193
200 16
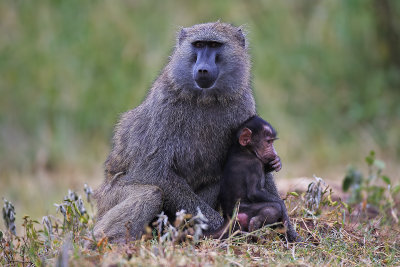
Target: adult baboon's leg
209 194
141 205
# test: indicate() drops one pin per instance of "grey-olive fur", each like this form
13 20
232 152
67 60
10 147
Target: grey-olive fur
168 152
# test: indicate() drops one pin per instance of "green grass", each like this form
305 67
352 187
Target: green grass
68 69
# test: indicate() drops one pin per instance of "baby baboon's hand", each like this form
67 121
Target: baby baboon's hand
276 164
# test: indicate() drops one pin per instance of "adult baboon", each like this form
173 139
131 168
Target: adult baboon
168 153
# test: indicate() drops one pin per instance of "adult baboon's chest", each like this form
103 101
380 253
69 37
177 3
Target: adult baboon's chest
203 142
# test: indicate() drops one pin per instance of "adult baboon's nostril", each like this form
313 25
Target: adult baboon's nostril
205 74
203 71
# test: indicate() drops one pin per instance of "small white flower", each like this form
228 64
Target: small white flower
80 206
162 220
61 208
88 191
46 221
180 215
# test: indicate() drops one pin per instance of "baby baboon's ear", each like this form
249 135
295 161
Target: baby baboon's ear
245 136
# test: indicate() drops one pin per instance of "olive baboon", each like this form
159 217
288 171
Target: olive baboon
250 157
168 152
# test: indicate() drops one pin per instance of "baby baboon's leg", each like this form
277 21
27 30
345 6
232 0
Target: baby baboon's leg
142 204
268 213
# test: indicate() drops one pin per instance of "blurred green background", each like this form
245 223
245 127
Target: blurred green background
325 74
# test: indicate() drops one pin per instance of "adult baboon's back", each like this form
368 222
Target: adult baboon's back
168 152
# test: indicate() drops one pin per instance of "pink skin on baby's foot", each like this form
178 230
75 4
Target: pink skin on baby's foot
243 220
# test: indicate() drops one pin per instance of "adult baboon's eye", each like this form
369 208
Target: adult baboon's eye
215 44
198 44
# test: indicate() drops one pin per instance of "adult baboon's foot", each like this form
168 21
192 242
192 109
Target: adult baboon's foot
128 219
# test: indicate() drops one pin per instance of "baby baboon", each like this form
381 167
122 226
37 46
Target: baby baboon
250 157
168 152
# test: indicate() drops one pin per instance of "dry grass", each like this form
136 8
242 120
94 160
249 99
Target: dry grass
331 237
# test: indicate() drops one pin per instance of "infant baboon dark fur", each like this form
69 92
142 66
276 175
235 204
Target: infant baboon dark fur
168 153
244 179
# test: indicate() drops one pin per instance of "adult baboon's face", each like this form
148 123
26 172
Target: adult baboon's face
210 58
206 67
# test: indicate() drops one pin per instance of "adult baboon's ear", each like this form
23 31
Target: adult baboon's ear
241 37
245 136
181 36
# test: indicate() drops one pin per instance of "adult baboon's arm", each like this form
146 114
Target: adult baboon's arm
179 195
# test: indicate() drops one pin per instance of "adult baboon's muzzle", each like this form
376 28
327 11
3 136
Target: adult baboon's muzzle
205 70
